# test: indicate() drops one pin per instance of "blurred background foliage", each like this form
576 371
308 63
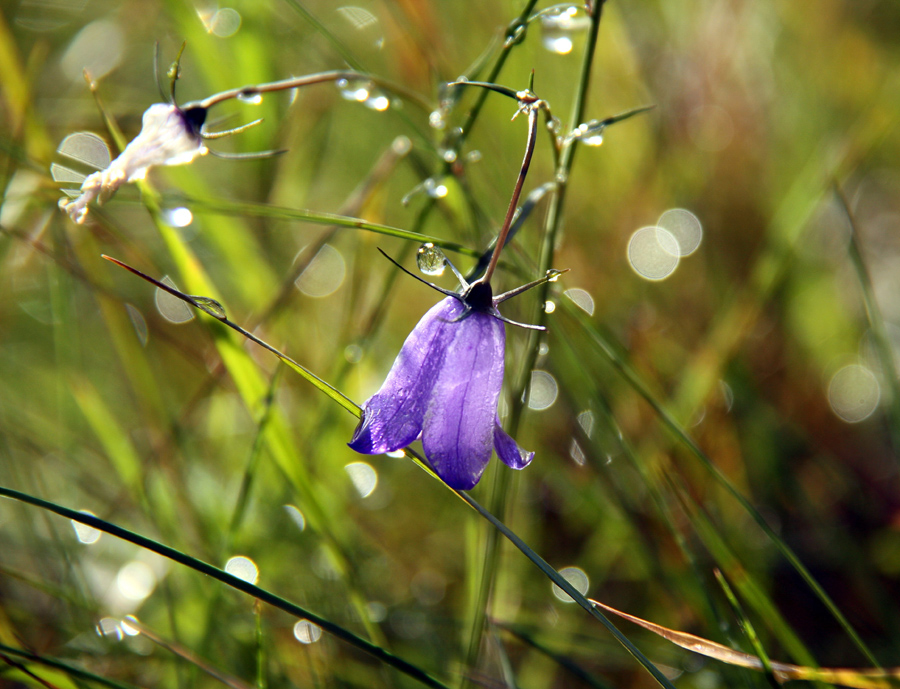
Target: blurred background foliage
772 346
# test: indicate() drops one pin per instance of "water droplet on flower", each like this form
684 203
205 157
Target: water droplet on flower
577 578
430 259
653 253
396 454
306 632
211 306
854 393
558 25
250 98
242 568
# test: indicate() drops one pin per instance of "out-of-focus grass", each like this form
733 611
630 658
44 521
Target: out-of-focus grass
188 436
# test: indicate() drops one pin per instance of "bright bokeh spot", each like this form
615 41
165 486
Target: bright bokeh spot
96 49
171 307
136 580
243 568
653 253
363 477
84 533
324 274
543 391
582 299
306 632
854 393
685 227
577 578
296 516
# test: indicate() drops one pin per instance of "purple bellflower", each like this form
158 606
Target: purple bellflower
445 384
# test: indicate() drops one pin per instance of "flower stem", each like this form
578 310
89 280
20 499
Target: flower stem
533 109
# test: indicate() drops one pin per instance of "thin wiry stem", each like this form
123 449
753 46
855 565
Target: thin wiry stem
245 92
517 191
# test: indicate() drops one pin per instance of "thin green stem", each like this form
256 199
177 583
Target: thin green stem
230 580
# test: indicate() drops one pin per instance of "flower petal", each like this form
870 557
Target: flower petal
392 417
458 430
508 450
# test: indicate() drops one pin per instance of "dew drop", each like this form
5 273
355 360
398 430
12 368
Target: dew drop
430 259
549 306
558 26
354 89
448 155
211 306
250 98
438 119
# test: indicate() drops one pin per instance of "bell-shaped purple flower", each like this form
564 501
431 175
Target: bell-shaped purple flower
444 385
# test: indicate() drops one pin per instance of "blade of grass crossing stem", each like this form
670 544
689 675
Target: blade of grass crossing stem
752 592
60 674
749 629
234 582
621 365
252 389
261 210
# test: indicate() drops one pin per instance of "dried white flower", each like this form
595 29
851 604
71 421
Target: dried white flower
169 136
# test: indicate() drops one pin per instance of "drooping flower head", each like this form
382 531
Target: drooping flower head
169 136
445 385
